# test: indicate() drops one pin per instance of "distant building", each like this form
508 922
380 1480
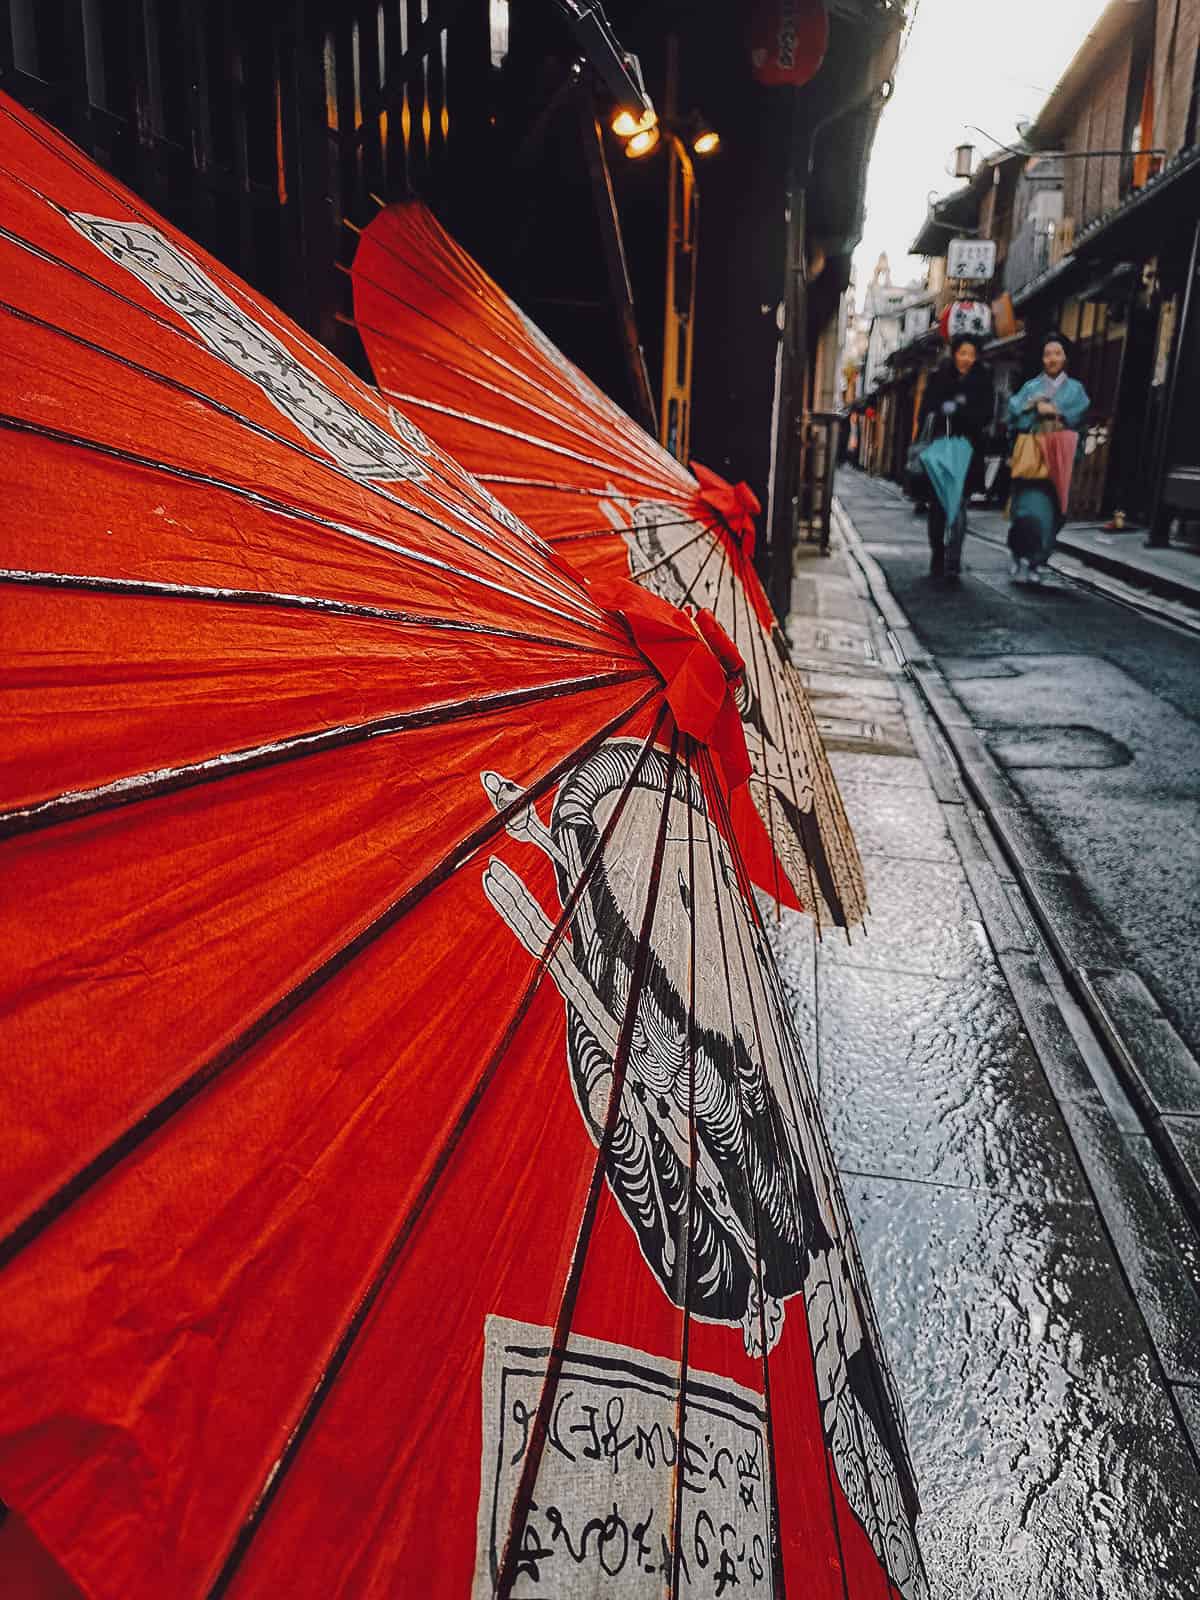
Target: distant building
1097 229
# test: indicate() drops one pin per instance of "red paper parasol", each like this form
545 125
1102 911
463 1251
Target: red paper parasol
446 342
1059 446
412 1185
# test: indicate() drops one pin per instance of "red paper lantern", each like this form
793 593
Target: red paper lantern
788 40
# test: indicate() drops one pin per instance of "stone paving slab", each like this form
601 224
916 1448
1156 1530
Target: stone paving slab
1186 1133
923 919
904 824
1101 1071
906 771
1065 906
1051 1462
1188 1401
1183 1237
933 1079
1060 1059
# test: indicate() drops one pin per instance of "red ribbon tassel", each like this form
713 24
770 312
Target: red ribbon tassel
699 664
736 503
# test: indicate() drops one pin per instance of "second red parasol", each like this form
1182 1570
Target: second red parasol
447 343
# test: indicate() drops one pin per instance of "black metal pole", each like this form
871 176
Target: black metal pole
785 486
620 289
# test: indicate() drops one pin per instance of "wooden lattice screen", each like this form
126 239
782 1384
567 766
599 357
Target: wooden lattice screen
260 127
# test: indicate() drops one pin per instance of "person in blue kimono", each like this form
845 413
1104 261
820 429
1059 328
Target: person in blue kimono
1049 399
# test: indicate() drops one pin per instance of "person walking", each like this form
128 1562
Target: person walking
1050 401
958 398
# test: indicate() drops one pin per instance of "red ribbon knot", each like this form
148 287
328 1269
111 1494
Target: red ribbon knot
735 503
700 666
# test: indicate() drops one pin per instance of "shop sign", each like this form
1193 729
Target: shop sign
971 259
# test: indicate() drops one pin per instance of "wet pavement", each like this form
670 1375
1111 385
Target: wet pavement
1050 1439
1093 712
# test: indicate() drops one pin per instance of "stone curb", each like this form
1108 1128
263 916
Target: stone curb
1142 577
1126 1085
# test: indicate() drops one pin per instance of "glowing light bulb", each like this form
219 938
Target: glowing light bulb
642 143
626 124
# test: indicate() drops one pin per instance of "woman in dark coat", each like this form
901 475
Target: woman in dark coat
958 395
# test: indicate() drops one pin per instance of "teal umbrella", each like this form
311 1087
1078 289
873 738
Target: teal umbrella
946 463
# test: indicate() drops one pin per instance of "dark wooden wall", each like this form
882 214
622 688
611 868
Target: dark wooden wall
260 127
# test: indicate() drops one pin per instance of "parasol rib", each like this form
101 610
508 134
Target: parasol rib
566 400
686 598
778 1588
823 778
159 1114
689 1210
510 1558
639 441
322 461
438 454
767 784
516 433
293 513
757 642
644 572
343 1348
609 530
782 1144
565 422
325 463
169 780
589 491
42 254
95 177
147 588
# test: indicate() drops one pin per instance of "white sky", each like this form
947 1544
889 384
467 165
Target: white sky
964 61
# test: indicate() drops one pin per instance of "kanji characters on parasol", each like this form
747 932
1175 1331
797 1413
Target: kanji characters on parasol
396 1084
447 343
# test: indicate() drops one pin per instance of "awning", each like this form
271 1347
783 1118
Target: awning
1134 229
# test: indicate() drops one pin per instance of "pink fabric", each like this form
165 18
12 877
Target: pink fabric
1059 450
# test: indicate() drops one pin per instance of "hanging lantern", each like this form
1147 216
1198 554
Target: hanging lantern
966 316
788 40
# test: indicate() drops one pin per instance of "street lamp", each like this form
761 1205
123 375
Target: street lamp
702 136
642 143
626 124
684 140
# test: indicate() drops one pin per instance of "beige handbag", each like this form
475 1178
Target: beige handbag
1028 461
